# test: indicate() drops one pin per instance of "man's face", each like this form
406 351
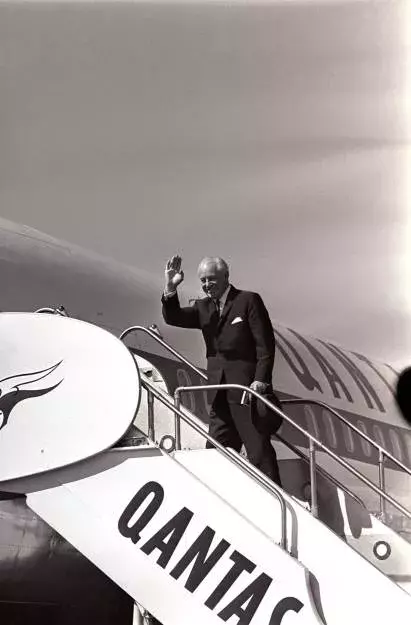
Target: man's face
214 281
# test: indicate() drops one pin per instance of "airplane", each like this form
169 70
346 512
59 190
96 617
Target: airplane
42 577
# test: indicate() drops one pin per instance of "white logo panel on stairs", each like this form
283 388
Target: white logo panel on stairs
176 547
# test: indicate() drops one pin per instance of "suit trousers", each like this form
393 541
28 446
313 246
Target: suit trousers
233 424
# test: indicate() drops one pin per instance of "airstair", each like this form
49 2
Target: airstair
193 536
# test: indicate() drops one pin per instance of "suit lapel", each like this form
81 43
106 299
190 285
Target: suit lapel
228 303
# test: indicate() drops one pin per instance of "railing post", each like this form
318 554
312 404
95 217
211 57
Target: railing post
313 480
382 483
150 414
177 422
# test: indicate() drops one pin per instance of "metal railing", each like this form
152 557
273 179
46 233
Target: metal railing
319 469
233 456
171 350
382 453
166 346
53 311
150 408
313 443
384 497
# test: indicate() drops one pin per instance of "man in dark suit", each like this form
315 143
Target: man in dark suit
240 348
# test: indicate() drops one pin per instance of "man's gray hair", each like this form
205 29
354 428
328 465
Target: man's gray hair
219 262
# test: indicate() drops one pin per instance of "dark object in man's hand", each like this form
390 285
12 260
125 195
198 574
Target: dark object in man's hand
272 419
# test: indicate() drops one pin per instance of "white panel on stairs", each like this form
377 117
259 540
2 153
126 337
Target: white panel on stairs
350 589
267 585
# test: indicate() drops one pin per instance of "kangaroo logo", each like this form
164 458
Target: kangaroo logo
12 390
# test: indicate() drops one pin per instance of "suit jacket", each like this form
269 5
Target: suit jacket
242 351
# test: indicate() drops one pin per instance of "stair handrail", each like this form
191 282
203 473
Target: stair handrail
353 427
314 402
232 455
381 451
53 311
313 443
290 446
166 346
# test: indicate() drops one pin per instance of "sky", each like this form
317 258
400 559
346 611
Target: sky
276 135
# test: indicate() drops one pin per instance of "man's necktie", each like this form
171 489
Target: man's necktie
217 305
